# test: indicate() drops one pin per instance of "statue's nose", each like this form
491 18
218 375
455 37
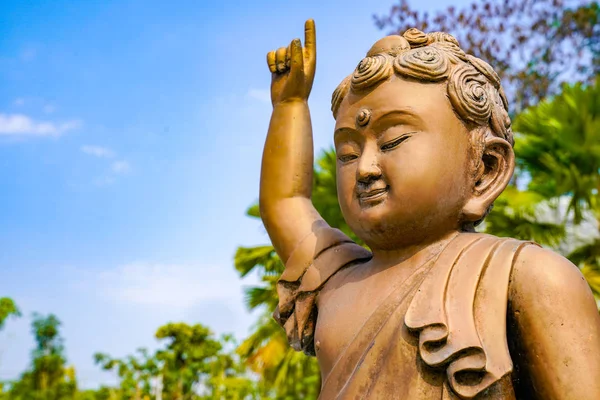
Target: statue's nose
368 168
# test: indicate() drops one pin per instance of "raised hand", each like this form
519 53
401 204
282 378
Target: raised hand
293 68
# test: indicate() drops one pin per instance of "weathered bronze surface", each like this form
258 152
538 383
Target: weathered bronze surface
434 310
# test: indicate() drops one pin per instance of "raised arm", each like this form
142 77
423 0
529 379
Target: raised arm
287 166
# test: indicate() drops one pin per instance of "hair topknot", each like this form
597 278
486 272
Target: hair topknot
473 86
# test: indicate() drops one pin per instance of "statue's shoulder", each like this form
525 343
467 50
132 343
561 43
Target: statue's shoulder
541 279
320 254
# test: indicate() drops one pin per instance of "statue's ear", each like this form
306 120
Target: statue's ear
493 175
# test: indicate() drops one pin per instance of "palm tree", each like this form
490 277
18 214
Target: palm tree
285 373
520 214
559 147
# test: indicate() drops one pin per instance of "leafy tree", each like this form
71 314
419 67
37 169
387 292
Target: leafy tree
187 357
193 365
49 378
228 378
103 393
559 147
517 213
7 308
534 45
135 372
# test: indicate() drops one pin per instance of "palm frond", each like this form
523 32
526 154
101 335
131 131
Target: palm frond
247 259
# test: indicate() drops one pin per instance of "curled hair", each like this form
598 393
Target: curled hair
426 63
469 95
499 120
370 71
454 53
338 95
473 87
449 45
416 38
485 69
443 37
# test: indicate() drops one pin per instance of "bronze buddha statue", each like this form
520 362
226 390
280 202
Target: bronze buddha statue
433 310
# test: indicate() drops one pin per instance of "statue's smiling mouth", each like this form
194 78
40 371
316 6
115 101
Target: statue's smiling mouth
373 195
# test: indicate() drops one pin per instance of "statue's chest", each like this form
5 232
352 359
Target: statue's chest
346 304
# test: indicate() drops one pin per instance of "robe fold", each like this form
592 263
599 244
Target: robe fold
439 334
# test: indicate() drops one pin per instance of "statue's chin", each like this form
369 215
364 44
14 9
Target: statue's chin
395 231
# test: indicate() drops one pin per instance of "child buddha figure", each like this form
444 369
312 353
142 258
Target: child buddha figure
433 310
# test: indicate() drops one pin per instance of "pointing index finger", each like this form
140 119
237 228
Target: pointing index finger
310 40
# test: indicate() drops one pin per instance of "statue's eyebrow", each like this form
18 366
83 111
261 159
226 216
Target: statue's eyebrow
387 119
342 130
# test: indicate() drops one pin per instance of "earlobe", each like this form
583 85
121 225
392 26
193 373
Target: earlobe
493 175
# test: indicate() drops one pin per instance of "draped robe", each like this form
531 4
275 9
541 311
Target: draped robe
439 334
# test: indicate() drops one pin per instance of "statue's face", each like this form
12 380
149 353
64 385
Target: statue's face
404 168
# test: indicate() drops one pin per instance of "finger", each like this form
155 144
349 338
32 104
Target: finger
296 59
310 38
288 56
280 57
271 61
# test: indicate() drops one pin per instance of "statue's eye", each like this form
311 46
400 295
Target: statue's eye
395 142
347 157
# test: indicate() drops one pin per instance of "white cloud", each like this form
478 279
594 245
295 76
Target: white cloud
117 167
263 95
98 151
22 125
120 167
168 285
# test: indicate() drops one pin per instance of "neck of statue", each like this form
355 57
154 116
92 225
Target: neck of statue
414 255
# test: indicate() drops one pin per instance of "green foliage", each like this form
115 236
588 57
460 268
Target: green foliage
186 358
558 149
103 393
559 145
227 378
48 377
135 373
193 365
324 195
247 258
588 258
516 214
7 308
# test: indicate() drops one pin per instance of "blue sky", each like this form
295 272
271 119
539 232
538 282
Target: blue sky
131 134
